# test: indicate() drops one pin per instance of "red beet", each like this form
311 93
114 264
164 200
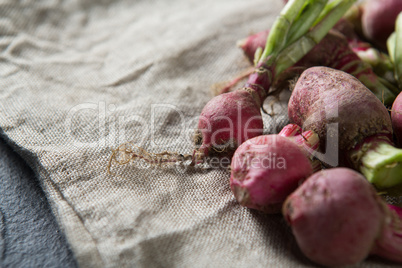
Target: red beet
324 95
240 120
378 19
389 244
250 44
229 119
347 116
338 219
266 169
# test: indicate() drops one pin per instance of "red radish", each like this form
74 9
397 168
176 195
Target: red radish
240 120
308 141
266 169
337 52
338 219
395 209
323 97
250 44
378 19
396 117
389 245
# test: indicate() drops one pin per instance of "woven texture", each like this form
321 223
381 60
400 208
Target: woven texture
79 78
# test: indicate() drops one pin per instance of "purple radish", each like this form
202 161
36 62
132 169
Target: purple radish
338 219
266 169
347 116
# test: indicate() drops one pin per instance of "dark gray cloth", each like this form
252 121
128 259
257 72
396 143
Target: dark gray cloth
29 233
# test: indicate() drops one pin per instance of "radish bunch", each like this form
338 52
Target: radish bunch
230 119
335 214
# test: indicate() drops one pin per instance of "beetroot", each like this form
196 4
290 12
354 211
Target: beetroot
378 19
239 121
338 219
323 95
266 169
347 116
252 43
389 244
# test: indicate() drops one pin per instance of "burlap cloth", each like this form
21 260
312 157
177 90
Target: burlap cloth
79 78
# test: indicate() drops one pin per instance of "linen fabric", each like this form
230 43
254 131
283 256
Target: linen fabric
79 78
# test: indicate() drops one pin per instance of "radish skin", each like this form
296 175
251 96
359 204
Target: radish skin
266 169
338 219
239 109
389 245
324 96
252 43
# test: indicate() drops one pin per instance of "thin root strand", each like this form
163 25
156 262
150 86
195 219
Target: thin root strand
124 155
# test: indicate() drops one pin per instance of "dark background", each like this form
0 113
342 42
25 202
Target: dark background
29 233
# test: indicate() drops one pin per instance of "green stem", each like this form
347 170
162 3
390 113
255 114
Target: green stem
391 46
382 165
294 52
327 9
389 86
397 50
276 39
306 20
